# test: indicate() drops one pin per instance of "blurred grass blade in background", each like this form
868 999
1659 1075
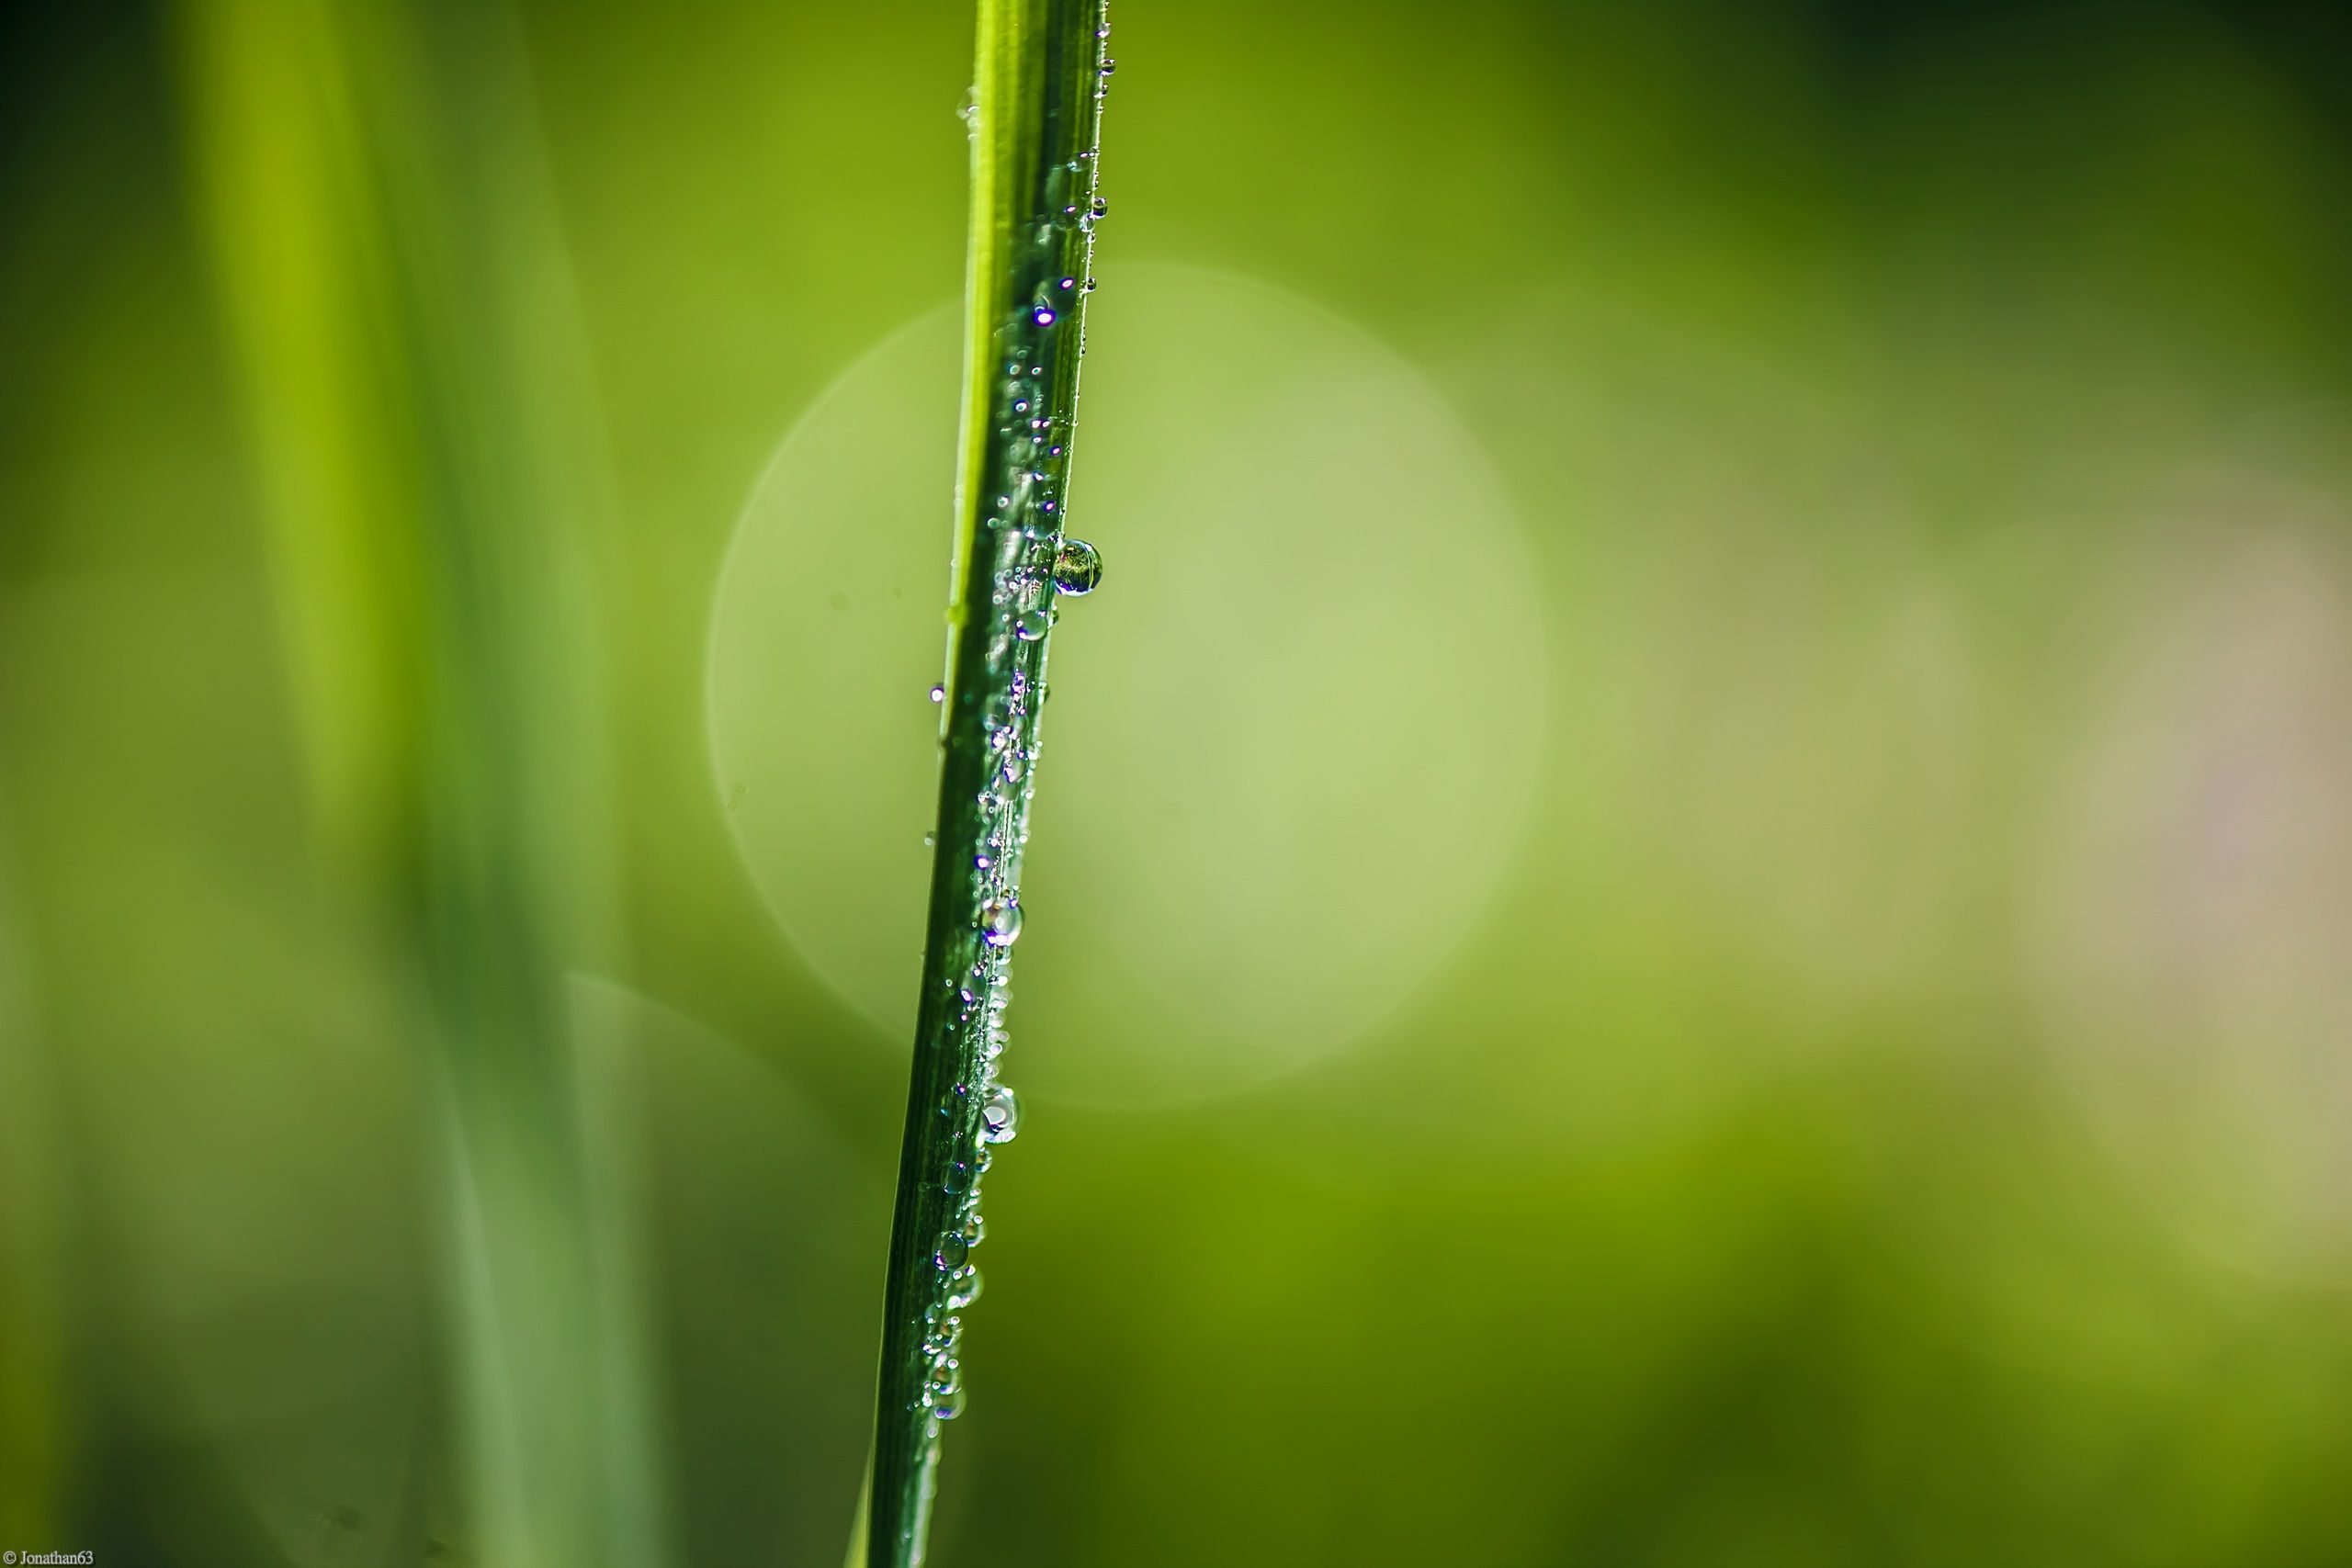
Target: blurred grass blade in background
1036 121
33 1343
395 289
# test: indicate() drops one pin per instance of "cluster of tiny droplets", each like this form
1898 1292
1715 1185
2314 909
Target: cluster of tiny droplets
1035 564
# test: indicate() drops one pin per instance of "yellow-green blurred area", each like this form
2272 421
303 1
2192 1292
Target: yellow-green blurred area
1692 895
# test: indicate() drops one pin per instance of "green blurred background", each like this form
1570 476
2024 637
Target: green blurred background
1693 899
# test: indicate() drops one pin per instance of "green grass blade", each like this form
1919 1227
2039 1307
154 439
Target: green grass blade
387 252
1038 110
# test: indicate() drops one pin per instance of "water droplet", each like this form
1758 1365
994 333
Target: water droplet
947 1397
959 1178
962 1287
1068 282
939 694
1043 318
1000 1116
1032 626
1000 922
946 1334
1078 568
930 840
1109 66
952 1248
976 1229
1102 208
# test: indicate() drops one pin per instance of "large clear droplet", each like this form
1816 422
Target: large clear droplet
1078 568
1000 922
953 1248
1032 625
1000 1116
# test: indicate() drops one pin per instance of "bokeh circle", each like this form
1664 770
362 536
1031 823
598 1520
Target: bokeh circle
1291 745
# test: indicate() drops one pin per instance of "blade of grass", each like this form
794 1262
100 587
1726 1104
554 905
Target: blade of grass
35 1424
390 274
1038 97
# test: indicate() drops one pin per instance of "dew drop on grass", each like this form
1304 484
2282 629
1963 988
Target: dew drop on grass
1078 568
942 1387
1001 1116
1032 625
952 1249
1000 922
962 1287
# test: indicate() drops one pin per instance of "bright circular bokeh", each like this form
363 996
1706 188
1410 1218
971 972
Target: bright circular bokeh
1292 742
2187 929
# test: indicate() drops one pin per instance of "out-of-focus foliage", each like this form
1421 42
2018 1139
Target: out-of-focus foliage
1862 1079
